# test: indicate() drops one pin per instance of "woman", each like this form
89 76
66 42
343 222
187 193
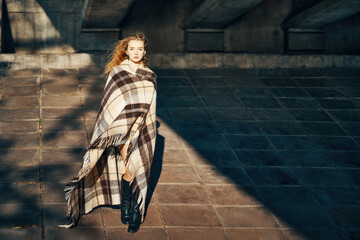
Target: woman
117 163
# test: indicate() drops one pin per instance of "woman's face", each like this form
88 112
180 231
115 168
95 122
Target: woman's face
135 50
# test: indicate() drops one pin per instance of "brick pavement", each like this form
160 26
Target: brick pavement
241 154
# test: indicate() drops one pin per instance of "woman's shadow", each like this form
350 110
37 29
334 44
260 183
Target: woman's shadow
156 167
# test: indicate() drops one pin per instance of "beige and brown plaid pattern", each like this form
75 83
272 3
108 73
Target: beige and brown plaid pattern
127 115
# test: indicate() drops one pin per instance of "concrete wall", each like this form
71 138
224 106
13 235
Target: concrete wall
54 26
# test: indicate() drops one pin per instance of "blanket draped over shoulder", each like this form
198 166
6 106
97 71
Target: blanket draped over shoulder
127 115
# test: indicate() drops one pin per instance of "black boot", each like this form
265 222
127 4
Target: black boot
135 218
125 201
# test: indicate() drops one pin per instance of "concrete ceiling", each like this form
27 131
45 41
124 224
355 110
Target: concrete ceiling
104 13
218 13
323 13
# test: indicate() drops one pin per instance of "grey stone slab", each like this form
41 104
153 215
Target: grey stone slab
319 234
65 139
310 115
92 80
61 101
180 101
224 102
204 72
246 217
293 143
271 176
61 90
239 127
335 143
92 101
240 81
325 93
24 233
304 72
144 233
90 71
19 114
173 81
245 72
288 92
20 215
59 72
30 140
23 102
213 157
281 128
61 80
352 92
91 90
248 142
222 175
208 81
352 175
345 217
63 113
19 157
53 193
188 127
336 104
229 114
270 114
279 82
56 233
251 92
171 156
351 234
19 126
298 103
20 193
21 91
300 217
345 159
345 115
256 158
338 72
23 72
260 102
62 125
214 91
205 140
176 91
320 177
309 158
62 155
201 233
163 72
20 81
346 81
280 73
285 196
315 82
189 114
322 128
59 173
336 196
252 233
19 174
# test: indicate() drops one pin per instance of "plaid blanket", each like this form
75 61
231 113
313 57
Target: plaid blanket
127 115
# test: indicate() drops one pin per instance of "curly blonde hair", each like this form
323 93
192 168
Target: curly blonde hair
118 51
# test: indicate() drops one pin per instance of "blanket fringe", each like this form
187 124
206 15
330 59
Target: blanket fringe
69 188
107 142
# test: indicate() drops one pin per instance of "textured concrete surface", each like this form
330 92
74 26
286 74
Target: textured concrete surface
241 154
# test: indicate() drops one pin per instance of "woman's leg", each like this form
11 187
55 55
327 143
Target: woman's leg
123 150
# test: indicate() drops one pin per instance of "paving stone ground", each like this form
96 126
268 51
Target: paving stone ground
241 154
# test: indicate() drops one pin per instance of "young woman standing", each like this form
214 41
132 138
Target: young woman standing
116 167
